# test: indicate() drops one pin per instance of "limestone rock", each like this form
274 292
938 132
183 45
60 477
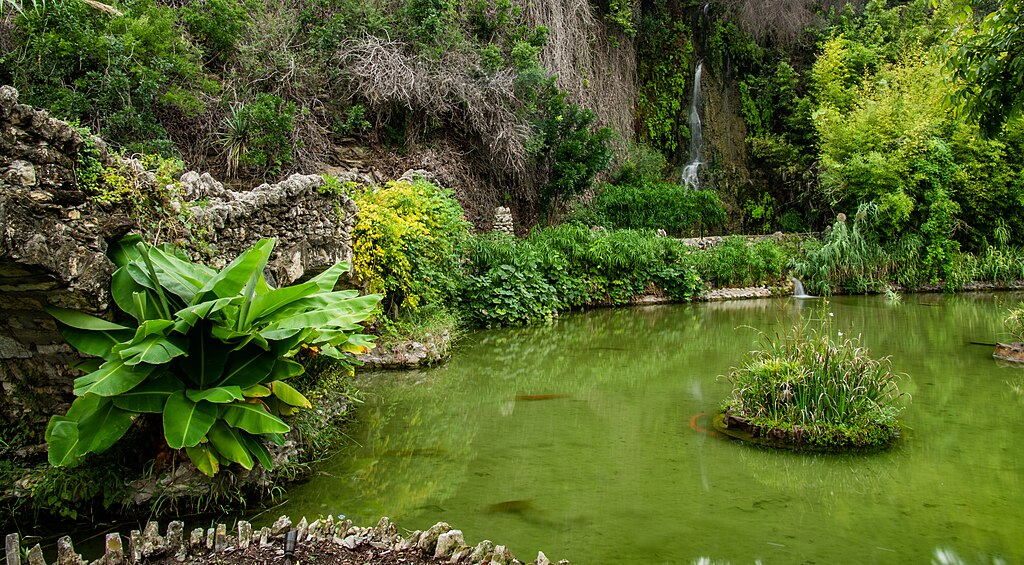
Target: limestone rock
542 559
482 551
428 542
503 222
281 526
501 556
447 543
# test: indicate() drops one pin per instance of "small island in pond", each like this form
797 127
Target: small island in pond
808 390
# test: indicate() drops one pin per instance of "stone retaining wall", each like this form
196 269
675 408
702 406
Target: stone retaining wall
440 541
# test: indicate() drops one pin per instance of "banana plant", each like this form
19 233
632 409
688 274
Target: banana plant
208 350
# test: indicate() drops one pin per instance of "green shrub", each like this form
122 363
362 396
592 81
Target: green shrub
653 205
104 70
570 150
217 25
508 281
738 262
817 390
208 351
256 137
405 243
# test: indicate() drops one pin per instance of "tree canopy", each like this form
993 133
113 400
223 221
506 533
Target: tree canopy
989 65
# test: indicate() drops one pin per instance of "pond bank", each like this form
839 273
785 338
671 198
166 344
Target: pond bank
322 541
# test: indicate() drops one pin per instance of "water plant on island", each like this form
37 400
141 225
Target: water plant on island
207 351
811 390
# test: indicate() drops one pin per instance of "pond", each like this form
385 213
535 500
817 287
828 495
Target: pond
580 439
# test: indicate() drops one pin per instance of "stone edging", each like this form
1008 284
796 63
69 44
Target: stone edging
439 542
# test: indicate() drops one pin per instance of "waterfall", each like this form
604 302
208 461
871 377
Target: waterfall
690 176
798 289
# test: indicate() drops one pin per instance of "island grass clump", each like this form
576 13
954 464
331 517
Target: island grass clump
810 390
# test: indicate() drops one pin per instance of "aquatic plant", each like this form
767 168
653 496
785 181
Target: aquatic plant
1014 322
810 389
208 351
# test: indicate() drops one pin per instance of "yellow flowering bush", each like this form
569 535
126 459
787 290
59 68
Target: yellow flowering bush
405 243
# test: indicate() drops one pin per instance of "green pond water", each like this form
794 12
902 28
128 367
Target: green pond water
576 439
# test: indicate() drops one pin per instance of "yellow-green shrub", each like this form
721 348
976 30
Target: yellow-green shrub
405 242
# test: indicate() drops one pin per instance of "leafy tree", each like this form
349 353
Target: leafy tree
990 64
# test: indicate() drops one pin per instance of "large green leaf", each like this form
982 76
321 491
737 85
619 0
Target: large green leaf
284 392
99 343
235 276
327 280
247 367
62 442
340 299
266 304
190 315
228 443
125 250
204 458
76 319
155 350
253 418
113 377
206 359
217 395
258 450
183 278
150 396
186 422
101 428
286 369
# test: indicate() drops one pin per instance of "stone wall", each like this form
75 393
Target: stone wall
53 243
269 544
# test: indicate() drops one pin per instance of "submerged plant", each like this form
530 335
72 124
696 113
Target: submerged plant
810 388
209 351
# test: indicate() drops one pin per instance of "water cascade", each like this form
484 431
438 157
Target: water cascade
690 176
798 289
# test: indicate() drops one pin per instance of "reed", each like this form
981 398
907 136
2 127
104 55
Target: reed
821 390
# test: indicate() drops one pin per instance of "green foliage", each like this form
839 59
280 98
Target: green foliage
664 67
256 137
620 13
760 214
1014 323
108 70
848 258
989 64
405 243
508 281
641 164
570 149
822 390
674 208
738 262
217 25
208 351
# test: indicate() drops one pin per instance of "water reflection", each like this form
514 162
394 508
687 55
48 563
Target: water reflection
576 438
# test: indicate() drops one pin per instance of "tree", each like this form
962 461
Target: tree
989 65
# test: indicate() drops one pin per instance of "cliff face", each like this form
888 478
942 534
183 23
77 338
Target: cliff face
54 237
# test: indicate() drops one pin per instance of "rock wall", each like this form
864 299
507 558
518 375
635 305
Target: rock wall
53 243
321 541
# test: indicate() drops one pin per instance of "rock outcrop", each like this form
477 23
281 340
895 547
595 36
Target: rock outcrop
54 238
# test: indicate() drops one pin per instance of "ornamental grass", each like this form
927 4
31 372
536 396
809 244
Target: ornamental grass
810 389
